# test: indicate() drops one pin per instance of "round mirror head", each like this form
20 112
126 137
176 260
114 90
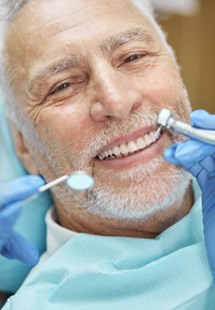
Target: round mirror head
80 181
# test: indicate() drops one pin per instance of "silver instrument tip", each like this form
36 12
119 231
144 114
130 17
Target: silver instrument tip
163 118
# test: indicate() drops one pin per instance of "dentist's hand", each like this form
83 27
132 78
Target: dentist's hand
13 244
199 159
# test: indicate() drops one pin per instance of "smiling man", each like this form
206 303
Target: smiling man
84 82
90 87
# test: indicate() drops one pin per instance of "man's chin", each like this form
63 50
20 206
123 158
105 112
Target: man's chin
141 200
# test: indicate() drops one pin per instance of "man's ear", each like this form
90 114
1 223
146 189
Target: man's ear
22 150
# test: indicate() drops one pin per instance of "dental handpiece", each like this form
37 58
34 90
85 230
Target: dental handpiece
166 120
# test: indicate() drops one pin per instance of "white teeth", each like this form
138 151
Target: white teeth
116 150
147 139
124 149
106 153
110 152
141 143
130 148
152 136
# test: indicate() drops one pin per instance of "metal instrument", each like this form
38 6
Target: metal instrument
166 120
78 180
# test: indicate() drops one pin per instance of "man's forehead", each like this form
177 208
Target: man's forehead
40 19
40 32
37 12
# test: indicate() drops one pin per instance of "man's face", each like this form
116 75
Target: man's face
93 75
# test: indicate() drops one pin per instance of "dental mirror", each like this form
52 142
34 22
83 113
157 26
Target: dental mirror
78 180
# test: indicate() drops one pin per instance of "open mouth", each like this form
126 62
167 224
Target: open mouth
130 147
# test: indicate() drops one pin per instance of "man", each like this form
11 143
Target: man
84 82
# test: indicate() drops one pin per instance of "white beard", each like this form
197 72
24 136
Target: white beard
148 190
134 204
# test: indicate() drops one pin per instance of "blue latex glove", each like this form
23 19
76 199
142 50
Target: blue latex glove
199 159
13 244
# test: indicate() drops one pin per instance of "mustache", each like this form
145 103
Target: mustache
114 129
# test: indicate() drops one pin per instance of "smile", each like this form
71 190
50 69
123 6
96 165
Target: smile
130 147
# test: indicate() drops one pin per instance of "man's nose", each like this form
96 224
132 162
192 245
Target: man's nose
116 95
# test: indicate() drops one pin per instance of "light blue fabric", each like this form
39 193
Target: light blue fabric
115 273
31 223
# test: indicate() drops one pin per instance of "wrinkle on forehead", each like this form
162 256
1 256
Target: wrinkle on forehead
42 11
41 19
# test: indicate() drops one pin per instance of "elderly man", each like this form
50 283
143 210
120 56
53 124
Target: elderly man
83 82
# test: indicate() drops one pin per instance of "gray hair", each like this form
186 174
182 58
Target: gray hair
8 11
10 7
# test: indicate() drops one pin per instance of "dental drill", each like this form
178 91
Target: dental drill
166 120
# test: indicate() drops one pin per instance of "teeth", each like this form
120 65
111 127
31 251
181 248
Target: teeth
147 139
123 149
141 143
130 148
116 150
152 135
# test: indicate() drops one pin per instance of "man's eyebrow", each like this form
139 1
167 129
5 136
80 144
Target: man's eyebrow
117 40
46 72
74 60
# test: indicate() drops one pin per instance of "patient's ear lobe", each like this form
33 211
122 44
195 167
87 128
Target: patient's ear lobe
22 150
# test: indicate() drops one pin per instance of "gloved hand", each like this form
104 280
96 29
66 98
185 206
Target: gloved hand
199 159
13 244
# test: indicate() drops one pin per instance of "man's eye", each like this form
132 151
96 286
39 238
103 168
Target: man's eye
61 87
134 57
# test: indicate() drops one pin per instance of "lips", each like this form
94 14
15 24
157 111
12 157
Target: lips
129 147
